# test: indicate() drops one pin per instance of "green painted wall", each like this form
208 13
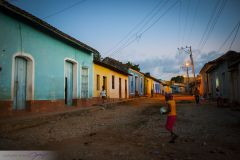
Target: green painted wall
48 53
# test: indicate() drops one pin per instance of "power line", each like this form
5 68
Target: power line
138 36
169 8
135 36
234 36
149 20
229 36
13 0
64 9
194 17
135 27
214 22
129 35
179 22
209 23
186 20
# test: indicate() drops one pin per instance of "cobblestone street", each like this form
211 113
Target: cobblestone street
132 130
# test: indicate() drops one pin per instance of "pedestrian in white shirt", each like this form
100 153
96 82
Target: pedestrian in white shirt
103 94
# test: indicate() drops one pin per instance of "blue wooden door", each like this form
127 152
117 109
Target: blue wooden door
20 81
68 83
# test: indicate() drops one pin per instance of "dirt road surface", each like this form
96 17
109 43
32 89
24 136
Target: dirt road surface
133 130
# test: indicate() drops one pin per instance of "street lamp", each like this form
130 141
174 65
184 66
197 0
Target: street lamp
185 66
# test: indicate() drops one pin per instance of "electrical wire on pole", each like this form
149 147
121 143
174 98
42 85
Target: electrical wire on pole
188 50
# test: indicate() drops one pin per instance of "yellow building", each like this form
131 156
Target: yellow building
114 81
148 85
167 89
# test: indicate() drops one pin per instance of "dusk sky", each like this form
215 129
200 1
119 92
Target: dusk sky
146 32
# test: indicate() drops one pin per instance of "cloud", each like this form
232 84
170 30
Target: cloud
165 68
162 68
201 58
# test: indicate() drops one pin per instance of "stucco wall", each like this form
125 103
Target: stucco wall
235 84
111 93
157 87
220 78
48 54
148 83
131 79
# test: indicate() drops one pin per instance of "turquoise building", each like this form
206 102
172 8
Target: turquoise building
40 66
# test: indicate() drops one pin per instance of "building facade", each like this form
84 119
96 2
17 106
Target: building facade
41 67
204 88
148 86
136 83
222 74
234 69
178 88
113 80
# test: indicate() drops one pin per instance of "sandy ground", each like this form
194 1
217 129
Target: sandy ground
134 130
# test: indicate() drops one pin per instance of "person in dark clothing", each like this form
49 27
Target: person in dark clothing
166 97
196 94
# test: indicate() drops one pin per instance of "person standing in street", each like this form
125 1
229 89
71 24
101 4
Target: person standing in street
196 95
166 97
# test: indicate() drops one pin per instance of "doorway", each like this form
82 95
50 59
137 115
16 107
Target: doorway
104 83
20 84
68 83
84 83
120 88
125 88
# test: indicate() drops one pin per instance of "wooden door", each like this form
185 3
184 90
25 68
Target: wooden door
105 82
136 85
125 88
20 83
120 88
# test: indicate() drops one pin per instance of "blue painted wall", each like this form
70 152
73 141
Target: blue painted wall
131 82
48 53
157 88
175 89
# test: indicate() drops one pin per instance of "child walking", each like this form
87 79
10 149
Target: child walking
171 118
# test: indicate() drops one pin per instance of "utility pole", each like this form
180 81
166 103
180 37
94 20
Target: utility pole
187 80
188 50
193 69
